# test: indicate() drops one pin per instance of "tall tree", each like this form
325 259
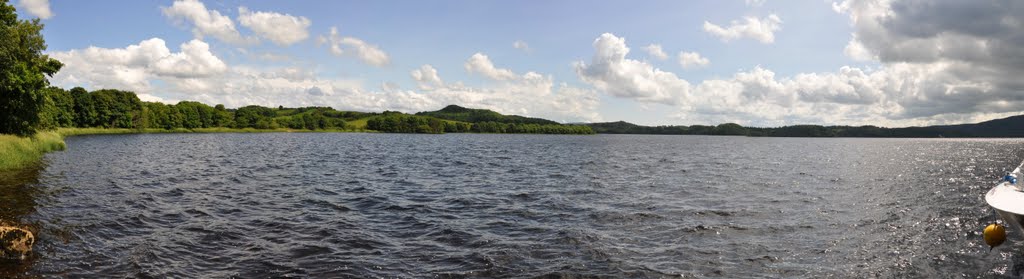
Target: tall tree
23 71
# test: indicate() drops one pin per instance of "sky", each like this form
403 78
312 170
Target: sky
761 63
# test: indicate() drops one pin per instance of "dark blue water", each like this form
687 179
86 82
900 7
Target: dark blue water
328 205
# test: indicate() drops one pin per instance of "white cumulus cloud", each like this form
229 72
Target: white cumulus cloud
611 72
530 93
655 51
206 22
282 29
136 66
857 51
481 64
194 60
38 8
368 53
426 77
157 73
760 29
691 60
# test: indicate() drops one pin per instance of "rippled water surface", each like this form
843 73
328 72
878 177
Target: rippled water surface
385 205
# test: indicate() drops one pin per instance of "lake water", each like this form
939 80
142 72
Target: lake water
469 205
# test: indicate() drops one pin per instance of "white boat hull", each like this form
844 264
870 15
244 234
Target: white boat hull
1014 221
1008 200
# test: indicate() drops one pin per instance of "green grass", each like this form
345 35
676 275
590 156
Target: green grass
358 124
18 152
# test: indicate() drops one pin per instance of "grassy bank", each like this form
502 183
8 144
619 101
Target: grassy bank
17 152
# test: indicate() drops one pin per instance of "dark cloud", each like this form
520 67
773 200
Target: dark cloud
966 55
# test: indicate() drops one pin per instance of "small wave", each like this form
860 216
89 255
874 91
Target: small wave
325 204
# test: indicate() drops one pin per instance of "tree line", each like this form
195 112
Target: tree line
111 108
457 113
396 122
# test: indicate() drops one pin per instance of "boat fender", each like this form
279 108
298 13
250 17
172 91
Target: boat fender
995 235
1012 178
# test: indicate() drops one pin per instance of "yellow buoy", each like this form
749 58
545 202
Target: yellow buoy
994 235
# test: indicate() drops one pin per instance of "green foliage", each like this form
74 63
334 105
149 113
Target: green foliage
457 127
396 122
456 119
85 110
197 115
495 127
457 113
311 118
254 117
622 127
222 117
117 109
23 71
729 129
58 110
159 115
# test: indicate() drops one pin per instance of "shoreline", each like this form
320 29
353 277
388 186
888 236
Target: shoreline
17 153
21 152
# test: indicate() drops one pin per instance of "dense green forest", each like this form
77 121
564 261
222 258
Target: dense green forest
419 123
109 108
622 127
397 122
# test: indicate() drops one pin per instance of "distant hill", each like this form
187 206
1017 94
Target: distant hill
1006 127
1012 126
456 119
457 113
622 127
